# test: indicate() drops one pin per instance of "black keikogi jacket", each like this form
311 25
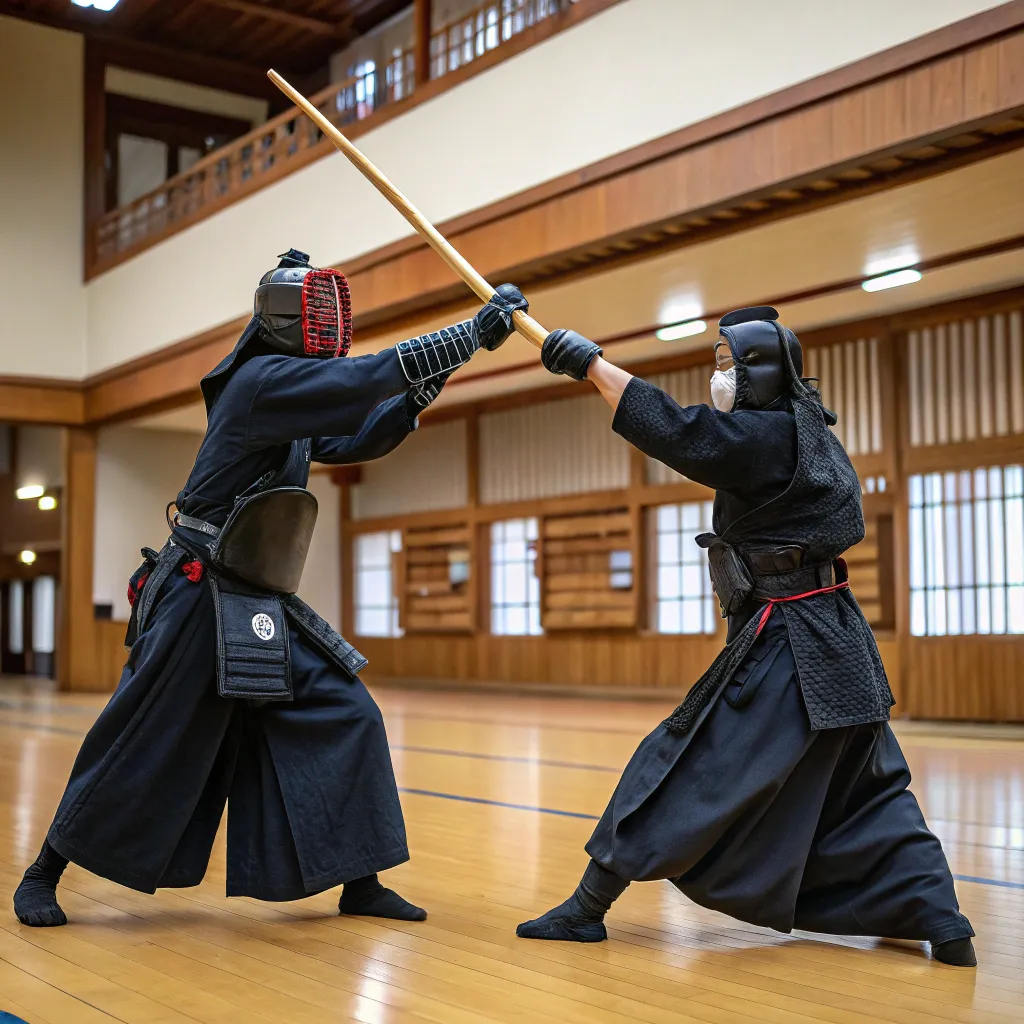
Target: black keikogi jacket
781 478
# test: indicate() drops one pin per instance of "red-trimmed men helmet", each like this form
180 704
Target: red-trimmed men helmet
303 311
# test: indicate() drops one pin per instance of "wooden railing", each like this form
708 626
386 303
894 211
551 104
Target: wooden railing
248 163
461 41
284 143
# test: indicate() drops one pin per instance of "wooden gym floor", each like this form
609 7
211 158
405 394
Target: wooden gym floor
500 795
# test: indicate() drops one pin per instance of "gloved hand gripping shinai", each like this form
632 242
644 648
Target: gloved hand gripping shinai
437 354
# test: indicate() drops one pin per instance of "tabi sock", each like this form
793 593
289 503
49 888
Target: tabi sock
366 897
581 917
955 952
35 899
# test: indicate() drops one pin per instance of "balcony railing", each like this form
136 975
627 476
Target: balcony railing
284 143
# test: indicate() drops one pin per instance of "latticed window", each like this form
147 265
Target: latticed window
376 603
684 601
967 552
515 589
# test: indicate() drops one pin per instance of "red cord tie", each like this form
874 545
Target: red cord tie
773 601
193 570
133 592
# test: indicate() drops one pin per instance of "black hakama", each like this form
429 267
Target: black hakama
759 816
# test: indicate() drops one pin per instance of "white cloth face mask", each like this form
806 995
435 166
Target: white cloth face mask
723 389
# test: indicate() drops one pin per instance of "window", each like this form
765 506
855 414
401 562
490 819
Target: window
515 589
365 74
967 552
376 601
684 601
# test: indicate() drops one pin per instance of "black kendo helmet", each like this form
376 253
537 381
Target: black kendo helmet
304 311
768 358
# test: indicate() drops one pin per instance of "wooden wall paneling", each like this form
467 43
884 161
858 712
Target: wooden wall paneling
584 583
77 654
435 600
347 553
637 517
974 678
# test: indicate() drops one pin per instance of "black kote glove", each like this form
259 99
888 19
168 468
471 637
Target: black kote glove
421 395
569 353
494 321
443 351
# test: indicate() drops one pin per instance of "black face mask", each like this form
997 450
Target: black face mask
303 311
767 356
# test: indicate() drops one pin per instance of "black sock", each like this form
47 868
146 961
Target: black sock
35 899
366 897
955 952
581 917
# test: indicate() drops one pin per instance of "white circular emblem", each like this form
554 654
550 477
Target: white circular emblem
263 626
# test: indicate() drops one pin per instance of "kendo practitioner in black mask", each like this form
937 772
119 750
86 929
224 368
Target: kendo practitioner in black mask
235 691
776 792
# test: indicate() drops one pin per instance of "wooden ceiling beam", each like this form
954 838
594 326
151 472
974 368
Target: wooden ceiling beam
213 72
135 55
265 11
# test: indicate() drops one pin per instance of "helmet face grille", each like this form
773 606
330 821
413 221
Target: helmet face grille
326 314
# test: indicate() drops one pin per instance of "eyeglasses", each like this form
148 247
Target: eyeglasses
723 356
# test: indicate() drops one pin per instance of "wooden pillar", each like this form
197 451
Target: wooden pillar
95 156
421 40
77 653
637 481
344 478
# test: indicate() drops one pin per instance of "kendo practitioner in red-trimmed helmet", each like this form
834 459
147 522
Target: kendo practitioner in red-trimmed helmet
235 691
776 792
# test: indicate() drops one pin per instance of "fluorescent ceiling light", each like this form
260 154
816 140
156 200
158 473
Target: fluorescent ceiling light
898 259
27 557
900 277
679 308
100 5
48 503
30 491
685 330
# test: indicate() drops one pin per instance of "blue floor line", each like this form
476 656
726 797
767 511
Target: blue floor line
498 803
989 881
518 759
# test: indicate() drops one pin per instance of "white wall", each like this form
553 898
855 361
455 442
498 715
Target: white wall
39 457
42 328
139 471
321 580
639 70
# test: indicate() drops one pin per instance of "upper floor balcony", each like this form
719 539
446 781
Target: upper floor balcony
380 77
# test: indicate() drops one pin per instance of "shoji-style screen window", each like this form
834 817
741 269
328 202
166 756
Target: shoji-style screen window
967 552
515 588
376 603
683 600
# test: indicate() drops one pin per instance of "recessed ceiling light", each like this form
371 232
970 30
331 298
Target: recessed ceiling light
48 503
30 491
900 277
100 5
685 330
27 557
